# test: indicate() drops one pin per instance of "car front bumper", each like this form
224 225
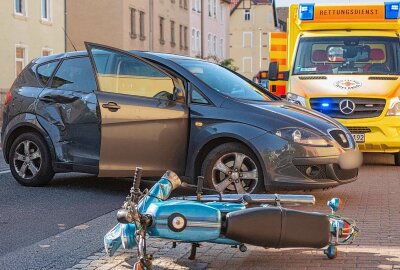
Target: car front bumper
287 166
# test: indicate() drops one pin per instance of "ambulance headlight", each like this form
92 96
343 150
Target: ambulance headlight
299 100
394 107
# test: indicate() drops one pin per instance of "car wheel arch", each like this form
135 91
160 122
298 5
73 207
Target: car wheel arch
210 144
25 128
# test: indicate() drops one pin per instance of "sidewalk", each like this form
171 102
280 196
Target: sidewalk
373 200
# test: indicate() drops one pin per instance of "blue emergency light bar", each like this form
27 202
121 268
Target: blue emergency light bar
392 10
306 12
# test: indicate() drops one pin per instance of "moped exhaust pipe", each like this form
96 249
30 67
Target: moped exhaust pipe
273 199
277 227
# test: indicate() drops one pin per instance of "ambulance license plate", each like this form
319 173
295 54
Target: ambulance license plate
359 137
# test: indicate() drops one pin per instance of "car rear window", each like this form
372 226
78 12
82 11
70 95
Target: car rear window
44 71
74 74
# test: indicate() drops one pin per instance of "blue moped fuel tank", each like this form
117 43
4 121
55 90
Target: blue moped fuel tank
184 221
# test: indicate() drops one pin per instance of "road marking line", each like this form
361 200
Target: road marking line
4 172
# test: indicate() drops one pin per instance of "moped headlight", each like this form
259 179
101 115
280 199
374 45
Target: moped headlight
394 107
299 100
302 136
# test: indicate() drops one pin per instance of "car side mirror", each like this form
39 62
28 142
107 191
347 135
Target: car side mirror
178 95
273 71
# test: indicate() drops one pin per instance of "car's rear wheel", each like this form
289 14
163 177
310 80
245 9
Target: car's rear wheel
232 168
397 159
30 161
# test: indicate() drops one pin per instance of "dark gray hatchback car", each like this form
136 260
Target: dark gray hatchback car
107 111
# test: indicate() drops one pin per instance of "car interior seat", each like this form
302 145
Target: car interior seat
320 57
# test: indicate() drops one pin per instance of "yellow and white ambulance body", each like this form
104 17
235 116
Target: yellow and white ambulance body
344 61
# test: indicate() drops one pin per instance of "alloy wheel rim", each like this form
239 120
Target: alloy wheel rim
235 172
27 159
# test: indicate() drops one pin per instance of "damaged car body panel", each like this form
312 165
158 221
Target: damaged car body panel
109 110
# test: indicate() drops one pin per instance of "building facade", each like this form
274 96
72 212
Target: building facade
151 25
250 24
209 33
29 29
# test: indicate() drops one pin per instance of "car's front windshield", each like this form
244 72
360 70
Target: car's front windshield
225 81
347 55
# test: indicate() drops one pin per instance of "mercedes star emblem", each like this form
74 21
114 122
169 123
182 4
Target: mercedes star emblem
347 106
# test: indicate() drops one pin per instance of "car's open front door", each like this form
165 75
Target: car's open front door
141 122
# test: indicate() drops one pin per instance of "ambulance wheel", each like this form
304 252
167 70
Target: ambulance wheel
397 159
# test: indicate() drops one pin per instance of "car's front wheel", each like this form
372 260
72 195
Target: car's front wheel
30 161
232 168
397 159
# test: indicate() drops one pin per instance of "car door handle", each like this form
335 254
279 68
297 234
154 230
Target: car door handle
47 99
112 106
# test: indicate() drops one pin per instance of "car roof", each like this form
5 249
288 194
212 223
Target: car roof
145 54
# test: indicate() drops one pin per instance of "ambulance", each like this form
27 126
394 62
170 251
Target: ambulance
344 61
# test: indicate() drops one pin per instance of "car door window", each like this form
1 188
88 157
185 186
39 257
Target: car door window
75 74
45 70
124 74
197 97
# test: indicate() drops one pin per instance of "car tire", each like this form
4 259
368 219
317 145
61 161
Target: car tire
30 160
221 173
397 159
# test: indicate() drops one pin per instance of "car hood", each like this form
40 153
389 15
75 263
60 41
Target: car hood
271 116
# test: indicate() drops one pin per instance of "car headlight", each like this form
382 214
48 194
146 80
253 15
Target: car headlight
299 100
302 136
394 107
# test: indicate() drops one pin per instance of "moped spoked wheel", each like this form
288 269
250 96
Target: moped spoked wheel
233 168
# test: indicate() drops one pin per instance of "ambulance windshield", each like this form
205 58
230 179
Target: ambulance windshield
348 55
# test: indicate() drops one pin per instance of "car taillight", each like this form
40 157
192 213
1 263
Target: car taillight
8 97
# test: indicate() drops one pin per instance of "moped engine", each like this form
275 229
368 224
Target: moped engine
278 227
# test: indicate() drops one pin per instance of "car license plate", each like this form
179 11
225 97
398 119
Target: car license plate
359 137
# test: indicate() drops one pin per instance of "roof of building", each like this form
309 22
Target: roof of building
236 3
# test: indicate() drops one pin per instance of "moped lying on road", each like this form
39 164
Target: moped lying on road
230 219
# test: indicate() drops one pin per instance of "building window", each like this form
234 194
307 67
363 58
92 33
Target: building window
247 65
209 39
222 14
194 40
20 59
185 36
133 23
209 8
221 48
185 4
141 29
198 46
198 5
215 8
20 7
215 45
247 39
162 41
172 33
247 15
181 3
46 10
47 52
180 36
194 5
